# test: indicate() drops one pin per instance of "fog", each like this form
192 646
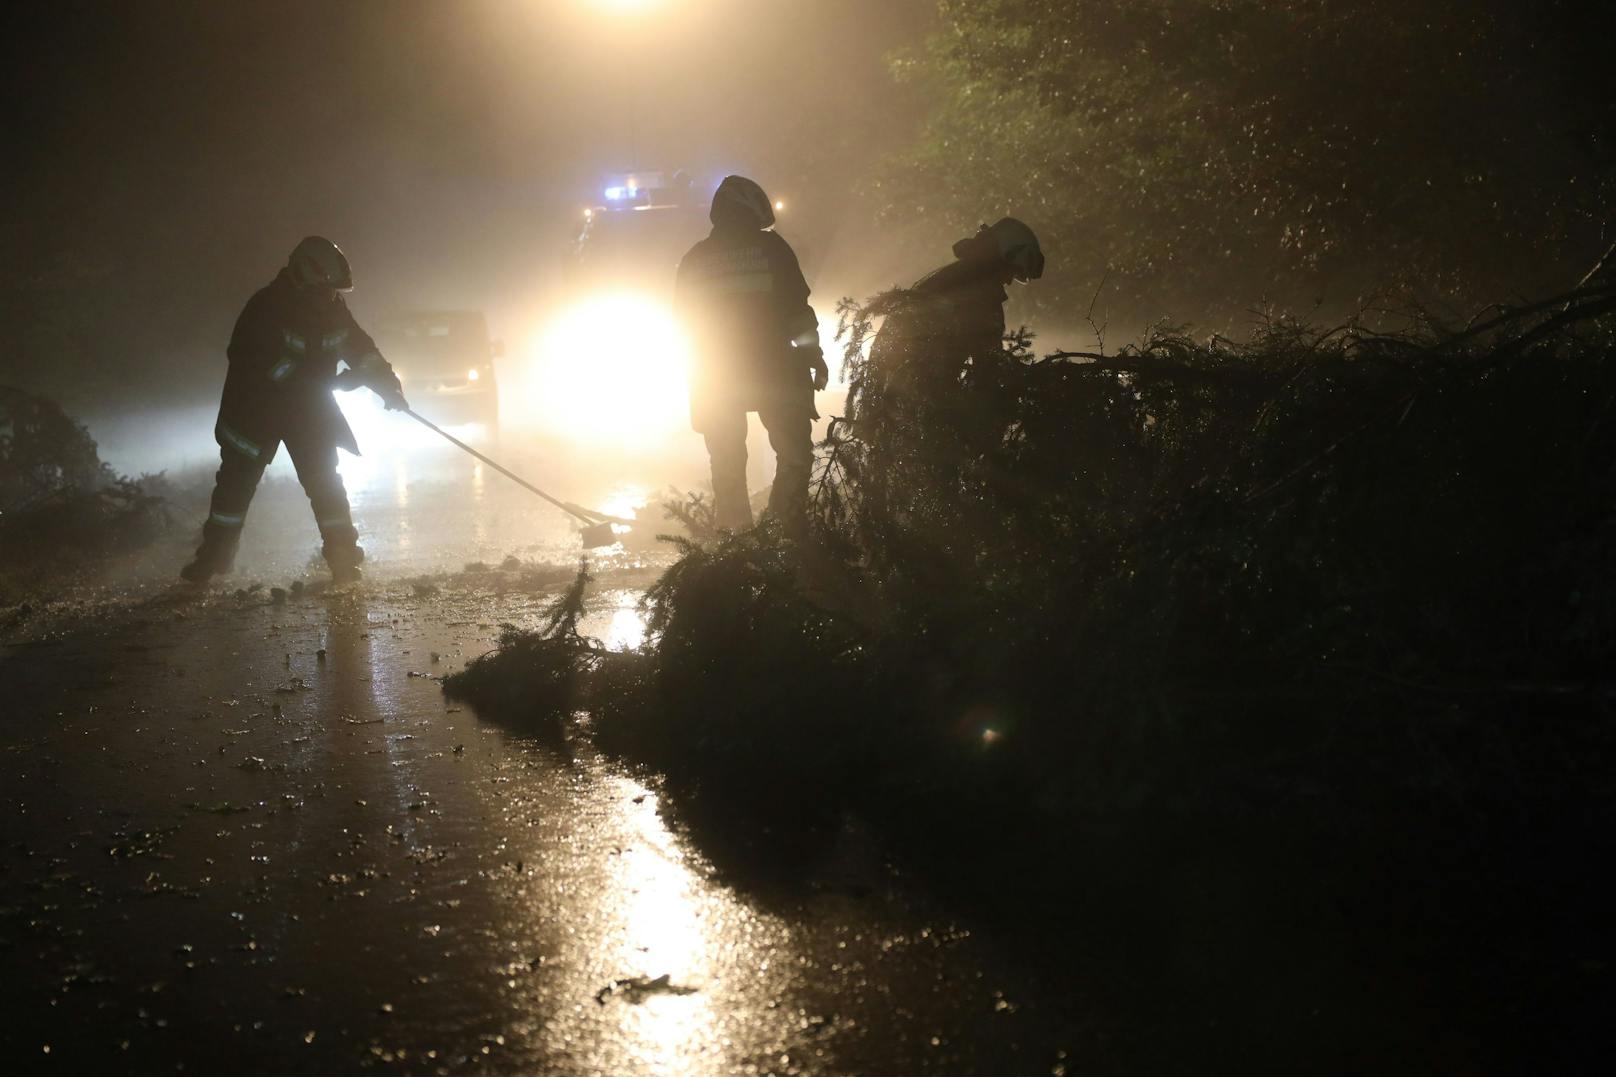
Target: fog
171 155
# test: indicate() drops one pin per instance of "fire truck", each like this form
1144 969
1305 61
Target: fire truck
633 237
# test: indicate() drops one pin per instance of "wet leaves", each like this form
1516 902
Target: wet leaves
637 989
132 844
223 807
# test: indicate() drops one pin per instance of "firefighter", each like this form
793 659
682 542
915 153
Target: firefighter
973 285
937 396
284 355
756 344
948 329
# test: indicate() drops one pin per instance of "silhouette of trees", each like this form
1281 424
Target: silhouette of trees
1209 152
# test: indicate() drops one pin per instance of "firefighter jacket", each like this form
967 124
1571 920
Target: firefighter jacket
974 293
950 322
283 362
742 296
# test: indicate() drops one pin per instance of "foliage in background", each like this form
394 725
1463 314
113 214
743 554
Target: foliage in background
60 505
1198 153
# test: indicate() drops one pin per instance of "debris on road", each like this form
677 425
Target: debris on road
637 989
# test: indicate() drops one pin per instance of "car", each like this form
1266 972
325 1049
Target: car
445 360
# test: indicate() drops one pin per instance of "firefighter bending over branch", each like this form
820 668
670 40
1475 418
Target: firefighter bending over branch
949 331
756 343
941 388
284 355
972 287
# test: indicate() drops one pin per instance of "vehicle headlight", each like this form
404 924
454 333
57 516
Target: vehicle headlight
611 370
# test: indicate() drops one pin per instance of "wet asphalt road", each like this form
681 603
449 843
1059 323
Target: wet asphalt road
248 836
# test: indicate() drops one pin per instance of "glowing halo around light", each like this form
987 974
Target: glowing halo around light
627 7
610 371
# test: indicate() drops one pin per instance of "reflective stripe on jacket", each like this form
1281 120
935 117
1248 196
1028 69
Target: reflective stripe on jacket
283 355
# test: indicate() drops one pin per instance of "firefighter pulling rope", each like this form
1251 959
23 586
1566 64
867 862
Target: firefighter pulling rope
597 525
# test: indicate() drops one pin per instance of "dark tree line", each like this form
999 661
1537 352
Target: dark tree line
1204 155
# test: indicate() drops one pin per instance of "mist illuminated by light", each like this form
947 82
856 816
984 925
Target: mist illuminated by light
610 371
625 500
387 441
626 6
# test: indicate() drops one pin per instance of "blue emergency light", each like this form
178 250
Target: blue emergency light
632 188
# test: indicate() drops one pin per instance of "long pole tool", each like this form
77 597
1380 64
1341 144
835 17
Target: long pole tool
597 525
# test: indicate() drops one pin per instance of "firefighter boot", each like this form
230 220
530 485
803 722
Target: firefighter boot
343 556
317 470
216 555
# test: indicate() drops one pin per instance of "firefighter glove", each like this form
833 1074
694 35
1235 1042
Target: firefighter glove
816 363
393 397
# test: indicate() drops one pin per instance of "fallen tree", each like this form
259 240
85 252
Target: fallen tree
1321 614
1039 550
61 506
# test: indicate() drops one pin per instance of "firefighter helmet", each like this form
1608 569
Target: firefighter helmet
1008 241
318 262
1019 248
741 199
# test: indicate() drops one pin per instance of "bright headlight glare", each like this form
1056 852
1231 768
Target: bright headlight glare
611 369
472 375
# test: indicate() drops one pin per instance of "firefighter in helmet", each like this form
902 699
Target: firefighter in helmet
973 285
756 342
948 329
936 397
284 357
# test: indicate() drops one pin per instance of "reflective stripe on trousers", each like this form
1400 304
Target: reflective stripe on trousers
316 464
235 439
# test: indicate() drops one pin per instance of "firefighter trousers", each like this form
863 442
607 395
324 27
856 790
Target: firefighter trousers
237 480
790 428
